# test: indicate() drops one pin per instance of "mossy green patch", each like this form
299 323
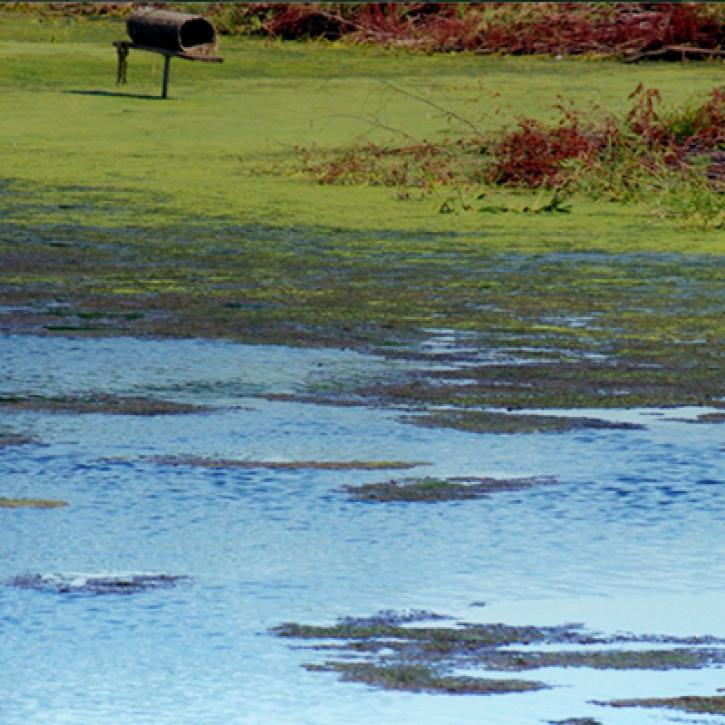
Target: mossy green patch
123 216
8 438
35 503
95 585
440 639
710 418
432 490
710 705
282 465
385 651
488 422
97 403
655 659
418 678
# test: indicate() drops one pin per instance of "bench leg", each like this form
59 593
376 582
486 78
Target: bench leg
122 70
165 83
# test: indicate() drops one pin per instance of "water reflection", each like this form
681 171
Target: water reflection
631 538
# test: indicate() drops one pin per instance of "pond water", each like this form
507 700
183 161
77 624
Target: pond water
631 540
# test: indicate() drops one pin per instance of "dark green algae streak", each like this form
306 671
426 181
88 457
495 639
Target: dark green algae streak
383 651
551 329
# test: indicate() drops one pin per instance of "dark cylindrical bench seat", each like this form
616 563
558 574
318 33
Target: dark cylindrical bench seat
168 30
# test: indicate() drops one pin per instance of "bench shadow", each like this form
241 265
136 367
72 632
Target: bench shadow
117 94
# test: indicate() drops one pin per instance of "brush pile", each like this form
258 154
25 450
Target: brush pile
628 30
623 29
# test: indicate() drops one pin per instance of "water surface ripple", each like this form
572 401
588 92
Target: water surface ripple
630 540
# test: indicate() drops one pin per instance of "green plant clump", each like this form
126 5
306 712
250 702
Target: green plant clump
418 678
710 705
430 490
36 503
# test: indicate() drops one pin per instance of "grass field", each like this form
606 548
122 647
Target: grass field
126 214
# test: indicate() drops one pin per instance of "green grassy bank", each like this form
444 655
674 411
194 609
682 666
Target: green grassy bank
125 214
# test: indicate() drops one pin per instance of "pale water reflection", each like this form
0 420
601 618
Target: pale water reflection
630 540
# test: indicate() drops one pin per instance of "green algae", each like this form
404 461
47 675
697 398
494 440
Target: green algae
282 465
386 651
488 422
114 223
418 678
710 705
102 403
710 418
646 343
655 659
96 585
36 503
8 438
432 490
437 639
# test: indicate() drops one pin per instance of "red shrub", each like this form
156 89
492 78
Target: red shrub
566 28
532 155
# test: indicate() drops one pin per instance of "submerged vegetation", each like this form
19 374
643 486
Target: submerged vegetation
385 651
96 584
439 489
282 465
8 438
494 422
710 705
103 403
35 503
419 678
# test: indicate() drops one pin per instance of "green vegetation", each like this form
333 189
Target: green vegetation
282 465
710 418
127 215
488 422
432 490
97 585
97 403
35 503
8 438
712 705
385 651
418 678
656 659
547 27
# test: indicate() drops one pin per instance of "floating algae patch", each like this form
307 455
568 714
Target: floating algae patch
445 640
576 721
654 659
98 403
35 503
96 583
282 465
441 489
8 439
710 418
419 678
612 369
385 651
650 339
705 705
491 422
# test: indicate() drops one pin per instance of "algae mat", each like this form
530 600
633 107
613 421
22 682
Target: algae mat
122 214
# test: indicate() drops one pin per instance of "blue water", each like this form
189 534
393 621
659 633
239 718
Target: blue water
631 540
